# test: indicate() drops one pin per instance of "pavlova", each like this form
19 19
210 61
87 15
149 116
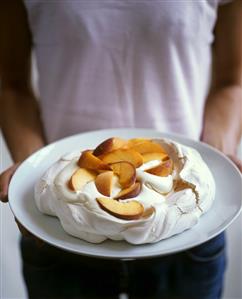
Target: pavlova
139 190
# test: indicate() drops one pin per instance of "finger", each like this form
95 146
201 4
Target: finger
236 161
5 178
3 197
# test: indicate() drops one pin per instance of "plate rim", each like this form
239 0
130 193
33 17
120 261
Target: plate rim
132 256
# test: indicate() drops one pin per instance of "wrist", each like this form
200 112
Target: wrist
222 119
21 123
20 151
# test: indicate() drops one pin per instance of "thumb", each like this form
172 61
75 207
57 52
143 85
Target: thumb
5 179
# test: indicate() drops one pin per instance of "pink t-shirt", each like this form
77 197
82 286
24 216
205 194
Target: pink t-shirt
121 63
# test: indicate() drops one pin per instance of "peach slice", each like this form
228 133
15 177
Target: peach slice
127 155
134 141
125 210
103 182
126 173
144 146
163 169
109 145
130 192
154 156
89 161
80 178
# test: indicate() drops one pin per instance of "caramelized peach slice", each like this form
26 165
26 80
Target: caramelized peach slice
154 156
109 145
80 178
103 183
126 173
125 210
89 161
130 192
163 169
127 155
144 146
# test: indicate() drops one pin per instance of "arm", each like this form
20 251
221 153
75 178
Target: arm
19 113
222 116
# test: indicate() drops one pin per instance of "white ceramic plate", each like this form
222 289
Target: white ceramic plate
226 207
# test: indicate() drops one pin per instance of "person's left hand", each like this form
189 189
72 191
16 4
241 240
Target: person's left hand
222 141
222 124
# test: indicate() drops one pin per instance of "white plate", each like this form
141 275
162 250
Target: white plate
226 207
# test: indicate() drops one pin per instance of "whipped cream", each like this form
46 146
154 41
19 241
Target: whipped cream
172 211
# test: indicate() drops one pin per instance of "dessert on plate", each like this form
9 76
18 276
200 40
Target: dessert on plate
139 190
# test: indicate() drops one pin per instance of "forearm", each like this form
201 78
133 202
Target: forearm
20 123
223 117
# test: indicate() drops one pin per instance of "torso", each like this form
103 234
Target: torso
121 63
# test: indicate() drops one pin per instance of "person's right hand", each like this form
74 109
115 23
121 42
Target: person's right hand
5 178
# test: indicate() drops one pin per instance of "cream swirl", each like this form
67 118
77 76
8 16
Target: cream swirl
177 200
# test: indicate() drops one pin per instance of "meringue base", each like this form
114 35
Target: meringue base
172 211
